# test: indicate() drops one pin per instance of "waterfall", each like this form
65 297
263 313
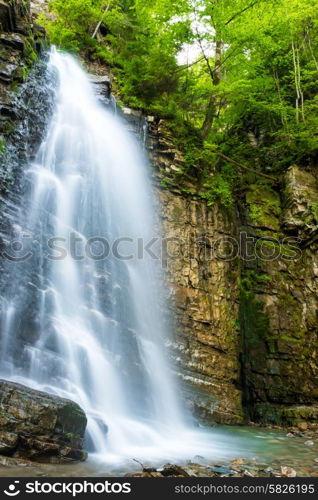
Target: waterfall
80 312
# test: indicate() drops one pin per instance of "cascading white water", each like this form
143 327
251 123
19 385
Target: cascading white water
81 324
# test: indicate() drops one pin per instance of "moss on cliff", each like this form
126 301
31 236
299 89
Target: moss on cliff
263 206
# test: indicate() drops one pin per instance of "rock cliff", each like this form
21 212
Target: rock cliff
279 300
25 105
24 96
244 289
203 285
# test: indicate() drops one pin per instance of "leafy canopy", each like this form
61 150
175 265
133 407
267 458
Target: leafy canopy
249 88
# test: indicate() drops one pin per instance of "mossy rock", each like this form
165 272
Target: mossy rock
284 415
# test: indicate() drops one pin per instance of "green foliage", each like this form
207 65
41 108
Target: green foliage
253 280
167 183
137 40
217 182
314 212
30 54
262 118
218 189
264 100
3 145
264 206
73 23
255 214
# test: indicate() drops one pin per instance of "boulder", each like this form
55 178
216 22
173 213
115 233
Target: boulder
39 426
102 82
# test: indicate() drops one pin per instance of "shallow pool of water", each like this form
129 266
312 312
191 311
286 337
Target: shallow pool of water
222 444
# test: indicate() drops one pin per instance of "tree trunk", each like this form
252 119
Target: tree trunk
211 110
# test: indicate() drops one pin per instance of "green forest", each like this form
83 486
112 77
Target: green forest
245 85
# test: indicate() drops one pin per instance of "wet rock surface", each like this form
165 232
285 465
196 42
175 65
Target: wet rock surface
26 91
238 467
24 96
38 426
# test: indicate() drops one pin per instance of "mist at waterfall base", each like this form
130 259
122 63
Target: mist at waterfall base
91 330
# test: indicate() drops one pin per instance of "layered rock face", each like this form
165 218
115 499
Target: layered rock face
24 100
38 426
20 41
279 306
204 287
204 295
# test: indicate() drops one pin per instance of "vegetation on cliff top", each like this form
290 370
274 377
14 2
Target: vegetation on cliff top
239 76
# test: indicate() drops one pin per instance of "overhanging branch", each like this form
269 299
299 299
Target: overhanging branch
240 165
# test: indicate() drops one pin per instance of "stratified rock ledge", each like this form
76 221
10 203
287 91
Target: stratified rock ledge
38 426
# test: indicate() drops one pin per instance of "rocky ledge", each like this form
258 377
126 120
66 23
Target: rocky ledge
39 426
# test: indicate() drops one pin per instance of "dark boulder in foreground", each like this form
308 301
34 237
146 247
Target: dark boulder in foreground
39 426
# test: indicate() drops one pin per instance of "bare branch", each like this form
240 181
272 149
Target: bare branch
205 57
140 463
100 22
